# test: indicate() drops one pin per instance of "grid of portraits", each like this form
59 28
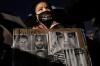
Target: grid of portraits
65 46
31 41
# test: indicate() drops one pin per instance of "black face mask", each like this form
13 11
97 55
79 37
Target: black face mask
45 16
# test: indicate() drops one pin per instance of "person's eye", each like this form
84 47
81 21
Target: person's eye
39 9
47 7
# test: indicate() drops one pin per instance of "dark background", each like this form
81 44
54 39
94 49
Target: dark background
84 9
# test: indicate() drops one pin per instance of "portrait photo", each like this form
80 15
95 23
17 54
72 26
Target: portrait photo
39 43
22 42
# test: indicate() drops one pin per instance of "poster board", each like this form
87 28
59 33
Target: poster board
66 45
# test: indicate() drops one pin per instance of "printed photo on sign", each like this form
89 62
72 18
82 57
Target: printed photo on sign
70 40
22 42
40 44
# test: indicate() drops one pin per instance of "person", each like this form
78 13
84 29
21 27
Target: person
44 17
45 20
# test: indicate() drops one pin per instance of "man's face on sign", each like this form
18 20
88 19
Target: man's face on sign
39 42
23 43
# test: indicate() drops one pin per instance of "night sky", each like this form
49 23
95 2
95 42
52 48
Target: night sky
18 7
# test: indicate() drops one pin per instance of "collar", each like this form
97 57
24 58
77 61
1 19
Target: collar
42 26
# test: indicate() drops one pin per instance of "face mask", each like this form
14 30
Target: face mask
45 16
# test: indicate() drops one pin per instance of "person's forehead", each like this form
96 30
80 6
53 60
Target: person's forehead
40 5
